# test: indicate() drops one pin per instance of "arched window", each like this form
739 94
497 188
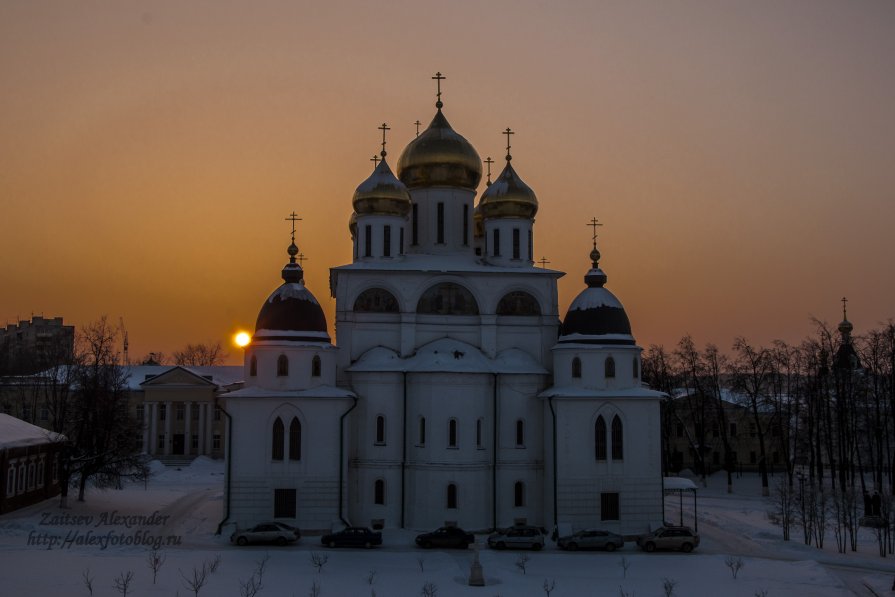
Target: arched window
600 438
282 366
610 367
520 433
379 492
618 450
380 430
422 431
315 366
519 494
452 496
278 439
636 368
478 434
576 367
253 366
447 299
294 439
452 433
376 300
11 481
518 303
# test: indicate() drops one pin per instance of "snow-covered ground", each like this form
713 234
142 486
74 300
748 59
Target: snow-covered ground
186 506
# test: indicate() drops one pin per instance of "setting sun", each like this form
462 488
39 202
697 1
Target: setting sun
242 339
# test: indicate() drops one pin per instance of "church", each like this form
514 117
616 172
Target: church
453 393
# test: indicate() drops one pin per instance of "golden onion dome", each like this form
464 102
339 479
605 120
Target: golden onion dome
352 224
440 157
382 194
508 197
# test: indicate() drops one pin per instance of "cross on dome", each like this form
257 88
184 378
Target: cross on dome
438 79
595 254
383 128
417 123
489 161
543 261
375 160
508 132
844 301
293 249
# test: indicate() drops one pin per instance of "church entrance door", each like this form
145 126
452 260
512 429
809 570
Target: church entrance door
177 448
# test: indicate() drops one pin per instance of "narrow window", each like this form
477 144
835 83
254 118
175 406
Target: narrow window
636 368
465 224
478 434
284 503
519 494
520 433
422 431
530 247
282 366
495 250
279 437
610 367
162 411
31 472
11 481
379 492
733 430
516 242
21 478
401 236
452 496
315 366
618 443
576 367
295 439
380 430
600 439
452 433
440 223
386 241
609 506
216 442
253 366
217 413
368 240
414 233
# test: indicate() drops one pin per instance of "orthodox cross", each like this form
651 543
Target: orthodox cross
417 123
489 161
375 160
508 132
844 301
383 128
438 79
294 217
301 258
593 224
543 261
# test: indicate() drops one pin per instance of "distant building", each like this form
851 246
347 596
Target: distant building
29 469
33 345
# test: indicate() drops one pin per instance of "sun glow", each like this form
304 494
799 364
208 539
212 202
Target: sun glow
242 339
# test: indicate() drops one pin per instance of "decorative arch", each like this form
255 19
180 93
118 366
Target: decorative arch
519 303
609 367
376 300
294 439
600 438
282 366
278 440
618 439
447 298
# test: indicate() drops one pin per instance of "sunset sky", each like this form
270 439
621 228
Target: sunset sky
741 155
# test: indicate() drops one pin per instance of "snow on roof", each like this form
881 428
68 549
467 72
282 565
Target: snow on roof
577 392
315 392
220 375
448 355
15 433
592 298
679 483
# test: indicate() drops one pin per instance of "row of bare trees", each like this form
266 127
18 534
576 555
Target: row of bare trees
825 406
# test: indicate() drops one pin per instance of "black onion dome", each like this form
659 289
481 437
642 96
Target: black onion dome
596 316
440 156
291 312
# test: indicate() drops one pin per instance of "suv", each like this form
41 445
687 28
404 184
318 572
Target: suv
682 538
516 537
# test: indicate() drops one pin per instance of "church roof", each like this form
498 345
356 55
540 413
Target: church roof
447 355
440 156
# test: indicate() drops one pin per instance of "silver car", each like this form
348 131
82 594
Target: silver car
682 538
517 537
267 532
591 539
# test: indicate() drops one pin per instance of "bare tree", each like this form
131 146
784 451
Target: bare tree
200 355
199 576
122 582
87 579
155 560
549 586
318 560
429 589
253 585
668 585
735 564
750 370
522 562
625 564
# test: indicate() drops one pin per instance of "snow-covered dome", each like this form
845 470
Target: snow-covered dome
382 194
440 157
508 197
596 316
291 312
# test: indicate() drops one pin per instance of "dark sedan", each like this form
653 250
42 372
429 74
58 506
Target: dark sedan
352 537
446 537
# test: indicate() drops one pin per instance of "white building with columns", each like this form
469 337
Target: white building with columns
454 392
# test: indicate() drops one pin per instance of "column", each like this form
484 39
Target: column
202 431
187 435
209 425
147 407
153 427
169 414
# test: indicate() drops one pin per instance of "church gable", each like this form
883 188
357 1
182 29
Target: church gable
177 376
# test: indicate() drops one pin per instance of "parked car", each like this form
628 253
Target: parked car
519 536
591 539
669 537
446 537
352 537
267 532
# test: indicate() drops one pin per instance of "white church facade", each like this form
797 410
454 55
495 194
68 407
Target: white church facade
454 392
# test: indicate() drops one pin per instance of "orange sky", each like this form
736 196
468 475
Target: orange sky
740 154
